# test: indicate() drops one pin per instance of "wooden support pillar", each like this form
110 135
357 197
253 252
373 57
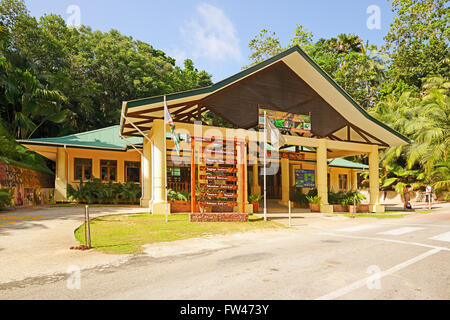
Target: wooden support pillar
284 182
255 187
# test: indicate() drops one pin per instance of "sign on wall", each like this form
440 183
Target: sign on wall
305 178
285 121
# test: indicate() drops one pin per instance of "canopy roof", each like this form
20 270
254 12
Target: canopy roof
103 139
290 81
343 163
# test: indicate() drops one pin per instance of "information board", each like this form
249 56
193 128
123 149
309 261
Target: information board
285 121
305 178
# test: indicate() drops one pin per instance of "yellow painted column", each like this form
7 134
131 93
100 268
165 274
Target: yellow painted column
374 182
255 188
121 170
354 175
322 179
61 175
96 167
159 165
292 175
146 179
284 182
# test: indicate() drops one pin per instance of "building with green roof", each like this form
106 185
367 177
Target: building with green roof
320 125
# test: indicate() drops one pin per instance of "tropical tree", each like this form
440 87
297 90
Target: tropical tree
25 102
425 119
418 43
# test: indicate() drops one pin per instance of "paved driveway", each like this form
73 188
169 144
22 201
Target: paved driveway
35 242
318 258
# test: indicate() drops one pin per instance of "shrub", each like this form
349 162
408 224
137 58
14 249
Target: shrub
6 198
298 197
177 196
254 198
313 199
96 191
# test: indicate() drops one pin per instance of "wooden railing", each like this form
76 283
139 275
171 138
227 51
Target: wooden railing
179 186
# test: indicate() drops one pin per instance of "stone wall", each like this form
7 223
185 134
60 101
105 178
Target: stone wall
31 187
218 217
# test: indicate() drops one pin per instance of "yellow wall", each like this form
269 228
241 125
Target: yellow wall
96 156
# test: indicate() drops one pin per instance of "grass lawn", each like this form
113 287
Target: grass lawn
127 233
426 211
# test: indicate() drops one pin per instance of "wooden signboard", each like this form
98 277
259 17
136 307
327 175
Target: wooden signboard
218 172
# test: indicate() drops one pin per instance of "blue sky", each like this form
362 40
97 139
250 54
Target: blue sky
215 34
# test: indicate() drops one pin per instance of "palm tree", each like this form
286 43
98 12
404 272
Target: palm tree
346 43
26 103
425 119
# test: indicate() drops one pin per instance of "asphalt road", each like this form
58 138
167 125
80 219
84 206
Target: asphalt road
318 258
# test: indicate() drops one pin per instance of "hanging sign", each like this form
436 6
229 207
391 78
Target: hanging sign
285 121
305 178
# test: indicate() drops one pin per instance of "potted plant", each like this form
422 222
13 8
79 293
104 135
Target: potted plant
314 203
254 200
353 201
179 201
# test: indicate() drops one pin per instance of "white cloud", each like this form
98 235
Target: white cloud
211 34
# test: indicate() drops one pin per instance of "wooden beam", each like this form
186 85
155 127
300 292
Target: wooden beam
371 136
154 109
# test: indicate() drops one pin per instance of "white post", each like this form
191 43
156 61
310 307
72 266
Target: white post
289 213
165 158
265 155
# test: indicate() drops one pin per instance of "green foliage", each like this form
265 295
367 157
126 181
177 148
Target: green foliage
313 199
264 46
48 68
345 197
353 197
418 39
6 198
96 191
298 197
177 195
254 198
423 117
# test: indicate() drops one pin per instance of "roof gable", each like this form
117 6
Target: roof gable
300 63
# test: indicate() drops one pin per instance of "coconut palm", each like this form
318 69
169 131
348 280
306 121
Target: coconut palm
346 43
425 119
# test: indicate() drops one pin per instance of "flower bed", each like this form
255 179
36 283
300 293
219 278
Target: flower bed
218 217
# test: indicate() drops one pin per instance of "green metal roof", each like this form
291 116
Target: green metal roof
105 139
342 163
